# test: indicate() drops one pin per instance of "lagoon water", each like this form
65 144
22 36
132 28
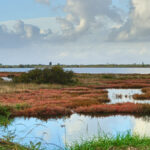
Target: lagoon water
15 69
53 133
90 70
111 70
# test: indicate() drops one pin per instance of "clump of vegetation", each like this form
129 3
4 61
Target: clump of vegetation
120 142
54 75
5 121
5 111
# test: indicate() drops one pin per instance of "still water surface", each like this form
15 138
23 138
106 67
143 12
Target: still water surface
124 96
90 70
111 70
76 128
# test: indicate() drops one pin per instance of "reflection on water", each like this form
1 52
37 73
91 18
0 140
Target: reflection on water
75 128
124 95
90 70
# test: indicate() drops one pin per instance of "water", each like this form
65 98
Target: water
90 70
15 69
61 131
125 95
6 79
111 70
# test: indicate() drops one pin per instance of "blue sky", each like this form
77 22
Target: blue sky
27 9
74 31
124 4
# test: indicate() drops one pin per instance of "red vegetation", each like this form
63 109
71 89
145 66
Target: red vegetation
115 81
124 84
88 99
124 108
53 102
6 74
144 96
43 112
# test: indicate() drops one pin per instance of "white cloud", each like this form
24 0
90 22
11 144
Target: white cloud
44 23
21 35
87 16
137 27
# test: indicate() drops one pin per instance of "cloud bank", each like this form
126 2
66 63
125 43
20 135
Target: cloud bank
21 35
137 26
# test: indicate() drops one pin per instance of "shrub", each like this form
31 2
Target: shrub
54 75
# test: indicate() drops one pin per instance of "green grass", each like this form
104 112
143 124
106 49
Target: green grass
120 142
5 111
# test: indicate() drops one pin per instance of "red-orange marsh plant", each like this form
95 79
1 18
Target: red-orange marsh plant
144 96
44 112
125 108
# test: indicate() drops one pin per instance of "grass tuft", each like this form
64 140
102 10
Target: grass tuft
120 142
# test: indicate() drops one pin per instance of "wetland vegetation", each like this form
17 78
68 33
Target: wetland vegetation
55 93
85 93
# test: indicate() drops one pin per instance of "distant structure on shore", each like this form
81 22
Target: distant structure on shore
50 63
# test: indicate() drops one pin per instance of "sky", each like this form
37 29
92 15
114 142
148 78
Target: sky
74 31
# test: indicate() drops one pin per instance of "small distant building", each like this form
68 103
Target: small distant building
50 63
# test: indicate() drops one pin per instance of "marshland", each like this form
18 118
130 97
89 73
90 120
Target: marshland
61 109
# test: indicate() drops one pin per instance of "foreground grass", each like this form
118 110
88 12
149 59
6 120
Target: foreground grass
11 146
7 145
120 142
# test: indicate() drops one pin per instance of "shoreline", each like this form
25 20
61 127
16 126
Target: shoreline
80 66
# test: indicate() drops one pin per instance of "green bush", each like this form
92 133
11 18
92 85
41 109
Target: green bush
54 75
